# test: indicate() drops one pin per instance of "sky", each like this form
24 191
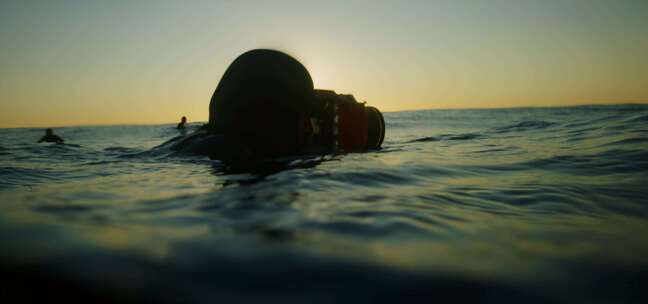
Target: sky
145 62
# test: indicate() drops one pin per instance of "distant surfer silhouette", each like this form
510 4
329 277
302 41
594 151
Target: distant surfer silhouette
51 137
181 124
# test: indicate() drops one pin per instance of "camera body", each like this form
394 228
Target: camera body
340 124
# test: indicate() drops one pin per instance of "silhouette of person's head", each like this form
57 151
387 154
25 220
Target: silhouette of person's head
49 131
181 124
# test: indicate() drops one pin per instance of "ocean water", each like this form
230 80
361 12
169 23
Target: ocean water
541 205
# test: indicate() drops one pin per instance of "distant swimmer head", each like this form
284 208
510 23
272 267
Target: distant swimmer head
50 137
181 124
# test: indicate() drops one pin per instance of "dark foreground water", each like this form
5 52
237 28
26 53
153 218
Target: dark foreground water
513 205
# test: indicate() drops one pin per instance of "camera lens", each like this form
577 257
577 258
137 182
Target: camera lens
375 128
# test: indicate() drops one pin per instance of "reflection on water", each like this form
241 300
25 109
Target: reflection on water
533 205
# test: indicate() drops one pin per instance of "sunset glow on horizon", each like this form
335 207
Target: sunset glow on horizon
143 62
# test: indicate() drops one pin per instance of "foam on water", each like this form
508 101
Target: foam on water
534 205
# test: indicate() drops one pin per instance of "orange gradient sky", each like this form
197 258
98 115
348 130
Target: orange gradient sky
143 62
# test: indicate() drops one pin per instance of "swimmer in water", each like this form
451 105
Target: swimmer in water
182 123
50 137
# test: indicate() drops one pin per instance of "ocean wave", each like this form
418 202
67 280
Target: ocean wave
63 208
604 163
443 137
640 118
628 141
527 125
25 176
378 177
121 149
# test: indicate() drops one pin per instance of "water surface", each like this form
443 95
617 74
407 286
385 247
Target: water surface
508 205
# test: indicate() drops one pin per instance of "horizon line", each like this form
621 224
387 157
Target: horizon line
641 103
527 107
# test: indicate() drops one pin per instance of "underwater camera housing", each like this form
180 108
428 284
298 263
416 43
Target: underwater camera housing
344 125
266 107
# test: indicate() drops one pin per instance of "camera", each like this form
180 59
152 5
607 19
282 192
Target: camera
343 125
265 106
